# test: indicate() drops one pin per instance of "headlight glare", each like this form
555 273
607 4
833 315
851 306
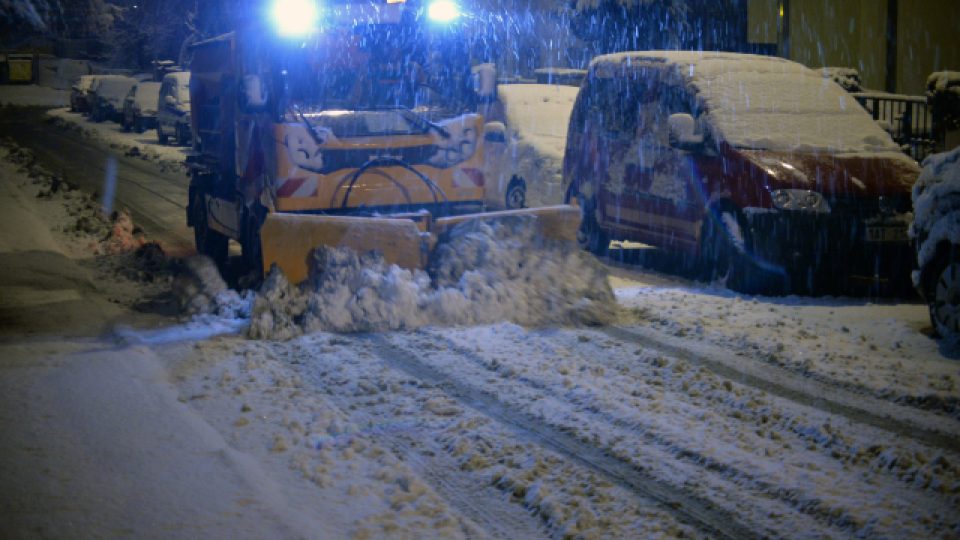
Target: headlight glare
295 18
443 11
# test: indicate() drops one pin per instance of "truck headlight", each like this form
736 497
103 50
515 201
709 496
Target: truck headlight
295 18
443 11
804 200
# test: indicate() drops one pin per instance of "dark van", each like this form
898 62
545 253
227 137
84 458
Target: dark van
759 171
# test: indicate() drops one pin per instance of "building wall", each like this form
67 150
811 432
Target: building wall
928 41
852 33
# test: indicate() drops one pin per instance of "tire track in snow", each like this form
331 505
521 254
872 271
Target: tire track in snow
481 504
701 513
792 498
899 420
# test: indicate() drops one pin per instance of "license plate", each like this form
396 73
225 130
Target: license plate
886 234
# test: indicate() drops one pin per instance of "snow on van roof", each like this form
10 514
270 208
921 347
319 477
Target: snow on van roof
115 88
766 102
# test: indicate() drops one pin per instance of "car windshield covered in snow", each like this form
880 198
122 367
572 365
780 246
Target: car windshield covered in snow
146 94
766 103
114 89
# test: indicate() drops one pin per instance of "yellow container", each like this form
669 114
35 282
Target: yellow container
20 68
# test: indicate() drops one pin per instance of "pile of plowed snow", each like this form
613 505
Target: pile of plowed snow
483 272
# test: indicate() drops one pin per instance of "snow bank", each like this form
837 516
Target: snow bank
943 81
847 78
144 145
200 290
32 95
936 204
484 272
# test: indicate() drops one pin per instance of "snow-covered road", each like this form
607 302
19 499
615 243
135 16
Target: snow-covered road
699 413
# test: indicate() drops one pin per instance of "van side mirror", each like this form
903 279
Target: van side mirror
254 95
495 132
170 101
683 132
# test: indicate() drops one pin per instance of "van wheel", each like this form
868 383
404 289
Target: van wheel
161 136
516 196
725 257
138 124
208 241
590 235
250 244
944 295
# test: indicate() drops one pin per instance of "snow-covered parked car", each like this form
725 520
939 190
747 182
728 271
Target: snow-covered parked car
173 108
106 97
936 232
140 107
80 93
758 171
525 168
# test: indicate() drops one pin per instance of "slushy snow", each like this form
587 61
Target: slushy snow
484 272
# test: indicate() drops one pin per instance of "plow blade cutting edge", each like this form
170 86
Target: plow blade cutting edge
287 239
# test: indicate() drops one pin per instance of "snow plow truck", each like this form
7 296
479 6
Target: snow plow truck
339 124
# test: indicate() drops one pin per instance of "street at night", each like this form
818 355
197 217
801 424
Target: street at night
289 269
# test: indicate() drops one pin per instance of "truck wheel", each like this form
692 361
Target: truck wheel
250 244
944 297
208 241
183 135
161 136
590 235
516 196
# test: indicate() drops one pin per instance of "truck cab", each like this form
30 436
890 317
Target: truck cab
365 114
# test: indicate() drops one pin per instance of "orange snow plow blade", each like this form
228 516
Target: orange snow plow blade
405 240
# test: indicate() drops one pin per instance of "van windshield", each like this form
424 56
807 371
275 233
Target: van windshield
785 108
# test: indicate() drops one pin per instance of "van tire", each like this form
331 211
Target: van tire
725 254
590 235
161 136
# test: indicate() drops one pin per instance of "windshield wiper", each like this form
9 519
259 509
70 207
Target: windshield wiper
306 123
424 123
414 118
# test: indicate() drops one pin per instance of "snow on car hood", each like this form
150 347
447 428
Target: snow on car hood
147 96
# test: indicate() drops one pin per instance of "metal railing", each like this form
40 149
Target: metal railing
906 118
